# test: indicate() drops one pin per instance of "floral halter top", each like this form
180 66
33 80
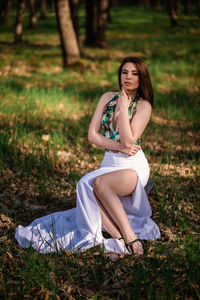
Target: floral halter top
108 113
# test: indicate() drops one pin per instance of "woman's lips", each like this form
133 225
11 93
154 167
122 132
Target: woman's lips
127 83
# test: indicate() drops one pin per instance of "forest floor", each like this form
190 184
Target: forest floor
45 113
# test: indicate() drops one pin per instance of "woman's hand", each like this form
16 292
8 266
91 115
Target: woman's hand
123 101
131 150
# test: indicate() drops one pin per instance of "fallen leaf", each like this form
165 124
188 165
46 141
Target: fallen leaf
45 137
170 235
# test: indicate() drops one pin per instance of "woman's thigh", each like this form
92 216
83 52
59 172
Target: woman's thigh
122 182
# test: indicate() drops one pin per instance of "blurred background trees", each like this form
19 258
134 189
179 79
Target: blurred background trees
19 21
97 16
5 7
69 42
96 22
173 8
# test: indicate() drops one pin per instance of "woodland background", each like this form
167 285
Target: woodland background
56 59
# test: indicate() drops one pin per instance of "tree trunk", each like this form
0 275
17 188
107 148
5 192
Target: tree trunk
146 3
53 8
43 8
91 22
177 7
19 20
74 6
33 18
108 13
172 8
140 3
187 7
198 7
158 5
5 7
69 44
115 3
102 23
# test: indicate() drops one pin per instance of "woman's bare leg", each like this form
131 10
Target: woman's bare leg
108 187
107 222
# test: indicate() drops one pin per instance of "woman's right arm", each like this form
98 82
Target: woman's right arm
94 135
98 139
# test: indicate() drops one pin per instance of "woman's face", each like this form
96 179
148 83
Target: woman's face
129 77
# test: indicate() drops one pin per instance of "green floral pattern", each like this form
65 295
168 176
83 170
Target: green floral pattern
108 114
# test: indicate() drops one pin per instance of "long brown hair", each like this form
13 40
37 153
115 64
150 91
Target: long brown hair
145 89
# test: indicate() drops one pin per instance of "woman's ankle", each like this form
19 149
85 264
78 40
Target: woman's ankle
130 238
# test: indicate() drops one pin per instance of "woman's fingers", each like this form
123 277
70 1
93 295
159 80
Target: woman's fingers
135 147
123 94
131 150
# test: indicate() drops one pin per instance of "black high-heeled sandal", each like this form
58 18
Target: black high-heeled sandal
130 245
120 238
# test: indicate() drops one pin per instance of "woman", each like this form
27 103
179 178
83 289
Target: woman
112 197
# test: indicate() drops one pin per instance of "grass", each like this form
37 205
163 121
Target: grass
45 113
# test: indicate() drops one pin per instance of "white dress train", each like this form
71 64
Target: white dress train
80 228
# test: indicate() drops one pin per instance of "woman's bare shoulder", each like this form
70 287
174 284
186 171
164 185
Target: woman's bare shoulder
144 107
144 104
107 97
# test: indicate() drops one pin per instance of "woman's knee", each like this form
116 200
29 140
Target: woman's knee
132 174
98 185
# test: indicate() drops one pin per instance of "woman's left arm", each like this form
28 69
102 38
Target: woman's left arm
130 132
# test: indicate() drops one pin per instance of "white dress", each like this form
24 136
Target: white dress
80 228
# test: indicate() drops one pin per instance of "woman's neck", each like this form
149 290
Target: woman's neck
131 94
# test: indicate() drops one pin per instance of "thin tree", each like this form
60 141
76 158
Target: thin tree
69 43
19 20
146 3
43 8
198 7
177 7
102 23
115 3
91 22
173 10
32 18
109 9
140 3
187 6
158 5
96 22
5 7
74 6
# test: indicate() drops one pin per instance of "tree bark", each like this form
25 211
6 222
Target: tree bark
146 3
91 22
69 43
43 8
198 8
19 20
177 7
115 3
140 3
109 8
102 23
96 22
74 6
158 5
187 7
33 18
5 7
173 12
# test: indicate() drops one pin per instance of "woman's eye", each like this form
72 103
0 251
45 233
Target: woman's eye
134 74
